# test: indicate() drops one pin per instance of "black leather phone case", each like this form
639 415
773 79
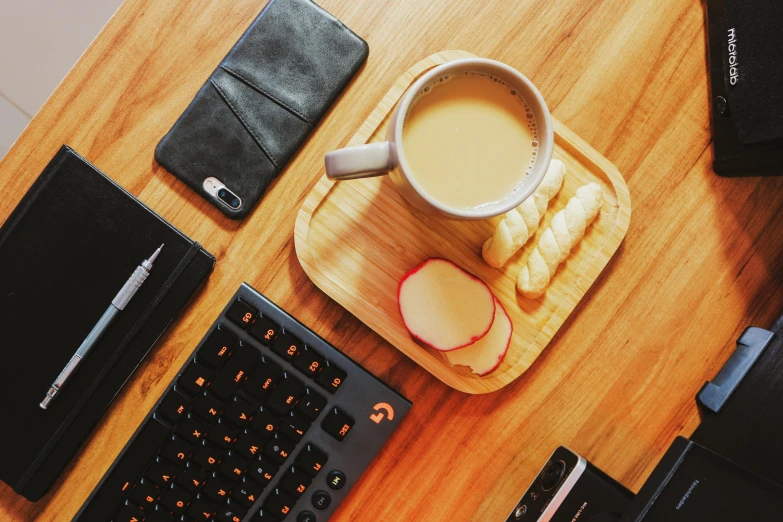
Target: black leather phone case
65 251
255 110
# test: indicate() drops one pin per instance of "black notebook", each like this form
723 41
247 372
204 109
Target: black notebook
65 252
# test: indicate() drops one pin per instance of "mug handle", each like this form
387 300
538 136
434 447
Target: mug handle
361 161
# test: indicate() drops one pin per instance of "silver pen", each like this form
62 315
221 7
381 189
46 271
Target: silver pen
119 302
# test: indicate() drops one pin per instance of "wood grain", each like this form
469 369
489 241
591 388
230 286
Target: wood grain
701 259
356 240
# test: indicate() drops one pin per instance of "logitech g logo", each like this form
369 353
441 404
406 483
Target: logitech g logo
733 62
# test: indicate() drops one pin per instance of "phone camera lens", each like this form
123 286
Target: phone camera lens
552 475
520 512
229 198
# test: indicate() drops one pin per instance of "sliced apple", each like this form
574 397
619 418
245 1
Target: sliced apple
444 306
485 355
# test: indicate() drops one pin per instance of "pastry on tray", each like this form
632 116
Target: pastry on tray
567 229
520 223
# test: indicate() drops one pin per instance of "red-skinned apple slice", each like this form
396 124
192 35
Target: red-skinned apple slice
444 306
485 355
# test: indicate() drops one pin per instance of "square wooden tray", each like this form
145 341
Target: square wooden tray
356 239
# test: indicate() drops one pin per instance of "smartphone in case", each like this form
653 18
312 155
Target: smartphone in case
257 108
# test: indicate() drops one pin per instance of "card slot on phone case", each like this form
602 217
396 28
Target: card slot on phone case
261 116
212 128
266 93
302 74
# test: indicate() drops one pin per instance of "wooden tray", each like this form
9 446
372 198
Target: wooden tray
356 239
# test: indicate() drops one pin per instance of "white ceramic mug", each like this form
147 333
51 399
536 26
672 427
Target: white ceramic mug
388 157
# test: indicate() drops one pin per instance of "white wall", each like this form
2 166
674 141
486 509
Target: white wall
40 40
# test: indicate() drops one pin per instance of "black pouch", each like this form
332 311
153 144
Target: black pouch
753 66
746 76
256 109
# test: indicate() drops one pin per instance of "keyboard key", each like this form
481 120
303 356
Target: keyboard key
194 379
337 424
173 407
295 482
207 458
263 378
190 479
294 426
216 349
263 515
234 372
200 510
264 330
287 346
335 479
278 449
309 362
305 516
246 493
321 500
129 513
232 467
175 500
144 495
311 460
222 435
127 469
207 408
238 412
176 451
279 503
265 421
241 313
286 395
160 474
159 516
191 431
262 471
217 489
248 445
230 513
311 404
331 377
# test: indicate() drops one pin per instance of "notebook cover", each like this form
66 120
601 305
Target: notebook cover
65 251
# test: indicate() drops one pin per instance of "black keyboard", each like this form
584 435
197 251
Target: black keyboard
266 421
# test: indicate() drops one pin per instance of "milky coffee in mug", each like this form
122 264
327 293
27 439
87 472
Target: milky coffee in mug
470 139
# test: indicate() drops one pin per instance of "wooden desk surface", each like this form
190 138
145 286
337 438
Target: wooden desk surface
701 260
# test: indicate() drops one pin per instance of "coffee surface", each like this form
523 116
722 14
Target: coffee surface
470 140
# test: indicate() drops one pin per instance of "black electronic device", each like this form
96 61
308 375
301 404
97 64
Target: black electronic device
745 48
265 421
745 426
692 483
730 470
571 488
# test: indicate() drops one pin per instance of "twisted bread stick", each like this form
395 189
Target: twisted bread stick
520 223
567 229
